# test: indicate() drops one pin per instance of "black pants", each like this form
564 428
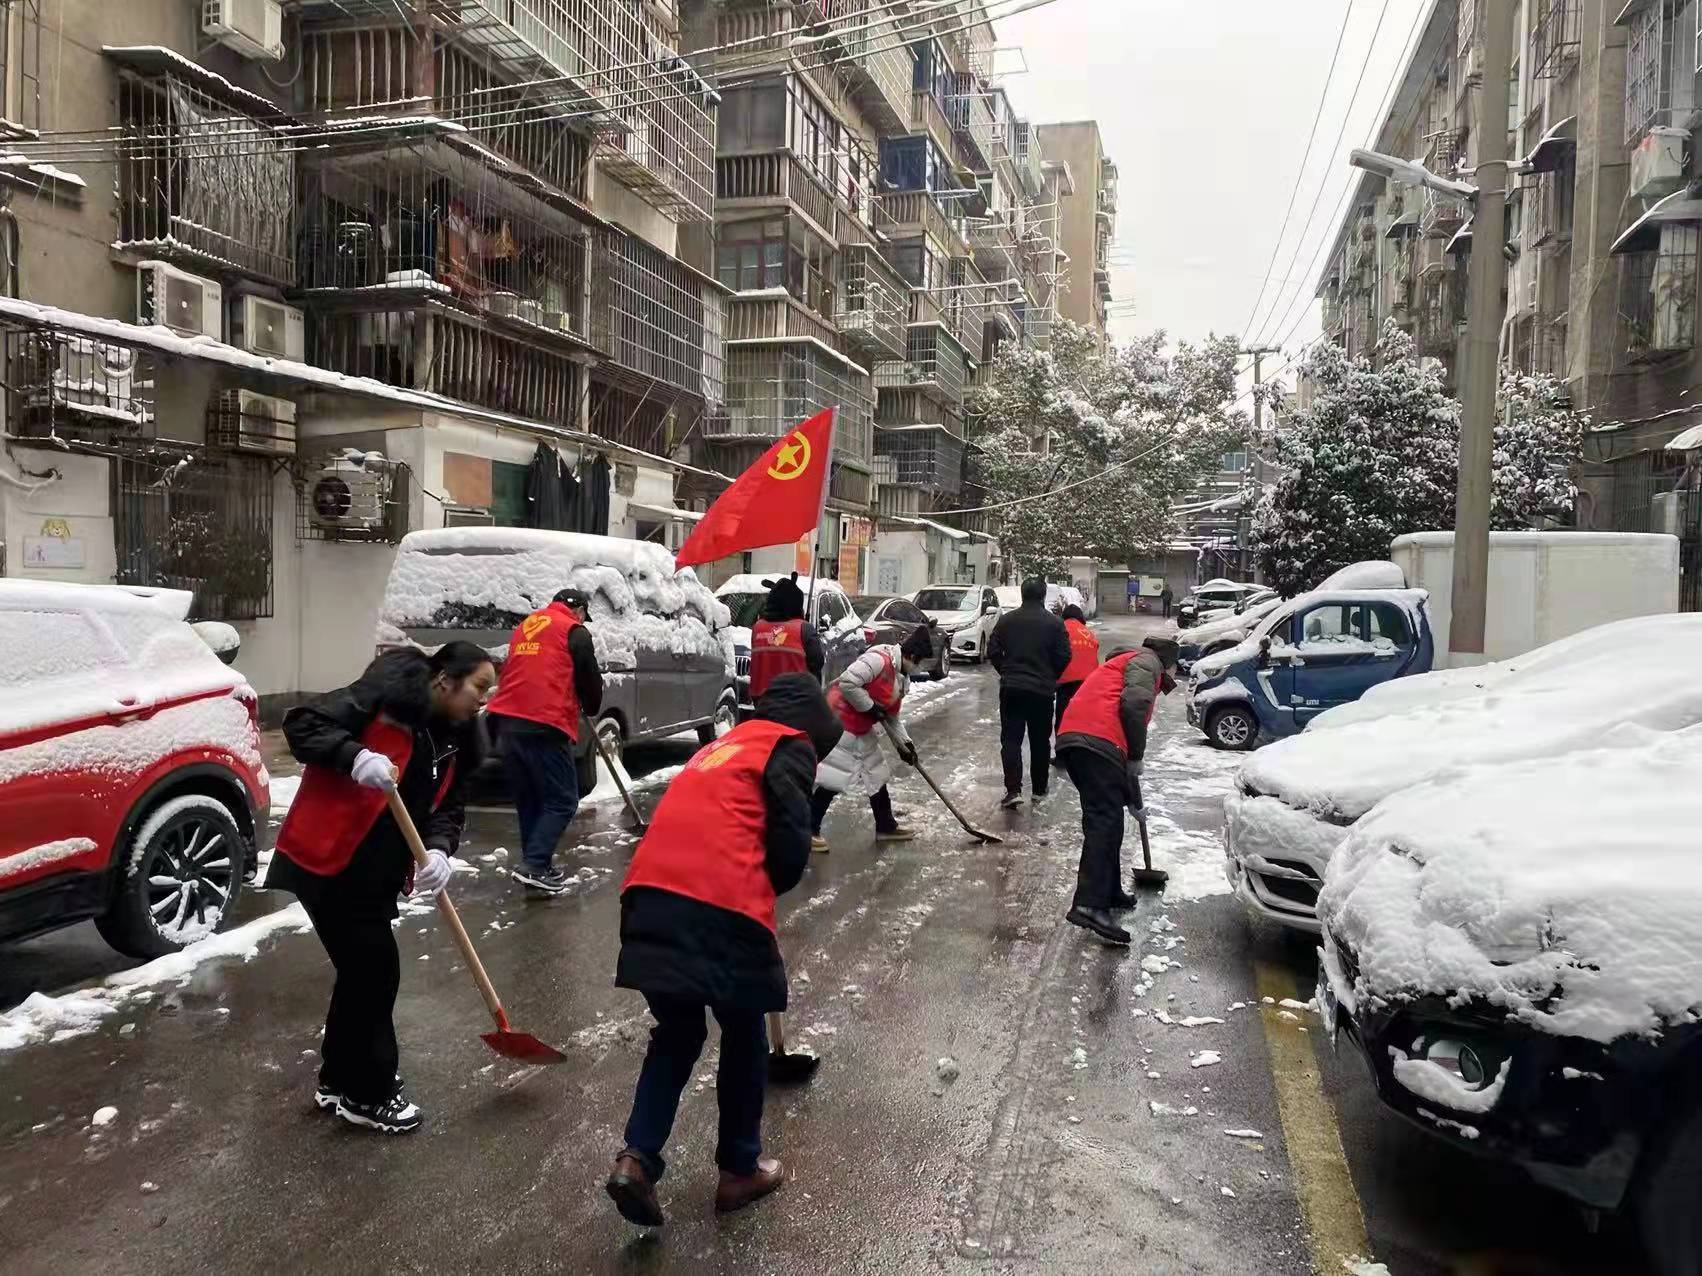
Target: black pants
880 804
1030 712
1066 693
675 1043
358 1052
1104 794
545 784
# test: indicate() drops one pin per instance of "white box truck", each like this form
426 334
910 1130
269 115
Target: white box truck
1546 585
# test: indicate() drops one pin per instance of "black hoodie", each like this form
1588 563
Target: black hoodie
678 947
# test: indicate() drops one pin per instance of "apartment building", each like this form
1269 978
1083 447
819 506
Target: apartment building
1602 231
1087 219
289 280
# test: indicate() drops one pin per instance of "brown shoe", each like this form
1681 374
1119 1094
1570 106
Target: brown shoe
634 1195
897 833
738 1190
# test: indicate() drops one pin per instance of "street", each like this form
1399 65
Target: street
997 1088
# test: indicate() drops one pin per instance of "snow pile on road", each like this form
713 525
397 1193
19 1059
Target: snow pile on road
1550 707
639 601
1566 891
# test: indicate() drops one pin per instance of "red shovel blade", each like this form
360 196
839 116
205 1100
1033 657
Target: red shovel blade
522 1046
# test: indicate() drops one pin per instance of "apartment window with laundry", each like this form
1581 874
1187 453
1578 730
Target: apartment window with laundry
752 255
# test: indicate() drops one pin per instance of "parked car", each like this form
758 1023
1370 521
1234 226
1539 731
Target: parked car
965 613
895 619
1513 948
1315 652
1252 598
662 638
1222 633
1295 801
1214 595
844 637
132 789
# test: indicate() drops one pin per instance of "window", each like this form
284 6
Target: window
1658 297
946 599
752 255
1234 462
987 599
900 609
1660 58
830 610
1329 623
752 118
1388 622
815 135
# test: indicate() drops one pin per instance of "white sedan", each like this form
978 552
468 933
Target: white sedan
966 615
1295 800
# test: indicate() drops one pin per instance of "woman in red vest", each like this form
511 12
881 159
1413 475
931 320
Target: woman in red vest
1084 659
697 932
783 641
1102 740
408 723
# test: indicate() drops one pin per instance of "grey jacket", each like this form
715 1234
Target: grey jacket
1144 680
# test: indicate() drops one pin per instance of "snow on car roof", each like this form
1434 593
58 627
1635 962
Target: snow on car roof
174 603
751 583
1373 573
1563 698
1212 630
1408 600
1564 890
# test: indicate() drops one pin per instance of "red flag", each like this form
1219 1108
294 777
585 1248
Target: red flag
774 502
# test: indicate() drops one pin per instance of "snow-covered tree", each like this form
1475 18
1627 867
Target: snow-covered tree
1376 454
1137 426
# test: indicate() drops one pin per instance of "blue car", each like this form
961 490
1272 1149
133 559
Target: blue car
1312 653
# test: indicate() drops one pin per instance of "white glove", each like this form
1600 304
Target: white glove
373 770
431 877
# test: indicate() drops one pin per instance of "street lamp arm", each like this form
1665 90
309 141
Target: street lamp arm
1409 173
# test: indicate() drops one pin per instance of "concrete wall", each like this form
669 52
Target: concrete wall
72 516
1078 145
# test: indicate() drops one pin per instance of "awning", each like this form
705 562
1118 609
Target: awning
1554 148
1644 234
1462 240
1403 226
1631 8
1689 441
667 513
954 533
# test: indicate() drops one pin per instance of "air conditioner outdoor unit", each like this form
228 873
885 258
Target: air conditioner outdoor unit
266 327
254 28
97 378
251 422
1657 165
348 492
467 516
178 300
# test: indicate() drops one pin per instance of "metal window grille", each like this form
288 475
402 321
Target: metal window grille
933 360
924 456
773 388
1555 40
1647 56
341 497
1657 306
648 315
20 65
60 384
872 303
1637 480
204 526
1465 27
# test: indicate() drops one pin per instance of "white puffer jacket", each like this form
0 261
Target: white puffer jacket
859 763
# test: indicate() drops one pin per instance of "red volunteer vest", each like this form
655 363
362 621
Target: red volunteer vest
777 647
1084 653
331 814
883 690
1094 710
706 840
537 677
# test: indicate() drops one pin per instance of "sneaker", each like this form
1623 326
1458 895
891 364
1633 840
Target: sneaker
735 1191
634 1195
898 833
550 881
1013 797
1039 795
325 1098
818 842
394 1115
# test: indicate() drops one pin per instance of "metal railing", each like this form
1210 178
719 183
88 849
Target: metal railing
871 303
771 388
775 176
1555 38
648 314
933 361
61 384
925 456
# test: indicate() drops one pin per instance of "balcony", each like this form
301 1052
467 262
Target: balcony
774 177
967 304
654 318
928 115
871 304
994 242
910 213
1442 215
1555 40
61 385
664 150
974 127
776 316
773 388
879 70
929 457
933 364
1029 162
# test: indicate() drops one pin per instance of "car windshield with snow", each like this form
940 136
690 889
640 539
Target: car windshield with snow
1294 801
661 637
1512 943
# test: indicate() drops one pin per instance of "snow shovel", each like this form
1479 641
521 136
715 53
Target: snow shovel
639 823
969 828
787 1068
505 1041
1147 876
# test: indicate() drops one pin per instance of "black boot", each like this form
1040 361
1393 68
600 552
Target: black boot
1101 923
1122 901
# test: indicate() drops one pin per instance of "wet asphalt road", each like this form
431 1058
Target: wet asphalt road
1044 1153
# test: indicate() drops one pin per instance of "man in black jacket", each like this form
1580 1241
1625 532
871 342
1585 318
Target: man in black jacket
697 932
1030 647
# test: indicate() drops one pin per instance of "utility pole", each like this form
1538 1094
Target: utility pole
1258 353
1484 311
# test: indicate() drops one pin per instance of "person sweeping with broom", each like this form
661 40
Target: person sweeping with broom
870 691
698 933
407 724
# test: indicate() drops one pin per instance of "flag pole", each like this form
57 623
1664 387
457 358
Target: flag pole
821 513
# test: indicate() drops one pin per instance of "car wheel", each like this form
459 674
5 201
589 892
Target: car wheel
1665 1201
725 719
1232 728
178 877
942 667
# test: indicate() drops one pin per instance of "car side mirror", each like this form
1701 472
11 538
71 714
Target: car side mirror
989 611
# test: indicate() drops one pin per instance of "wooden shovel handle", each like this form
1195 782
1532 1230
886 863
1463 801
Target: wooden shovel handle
405 822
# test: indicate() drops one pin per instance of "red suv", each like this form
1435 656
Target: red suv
132 788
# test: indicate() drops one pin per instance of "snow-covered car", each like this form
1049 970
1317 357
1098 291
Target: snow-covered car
662 639
1315 652
1229 630
132 789
1514 948
1213 595
1294 801
1252 598
966 615
844 636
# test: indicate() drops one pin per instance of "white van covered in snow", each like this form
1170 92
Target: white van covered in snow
661 636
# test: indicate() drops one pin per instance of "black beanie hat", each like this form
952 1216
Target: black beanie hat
919 646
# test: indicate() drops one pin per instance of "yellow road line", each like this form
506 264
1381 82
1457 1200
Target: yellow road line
1329 1205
